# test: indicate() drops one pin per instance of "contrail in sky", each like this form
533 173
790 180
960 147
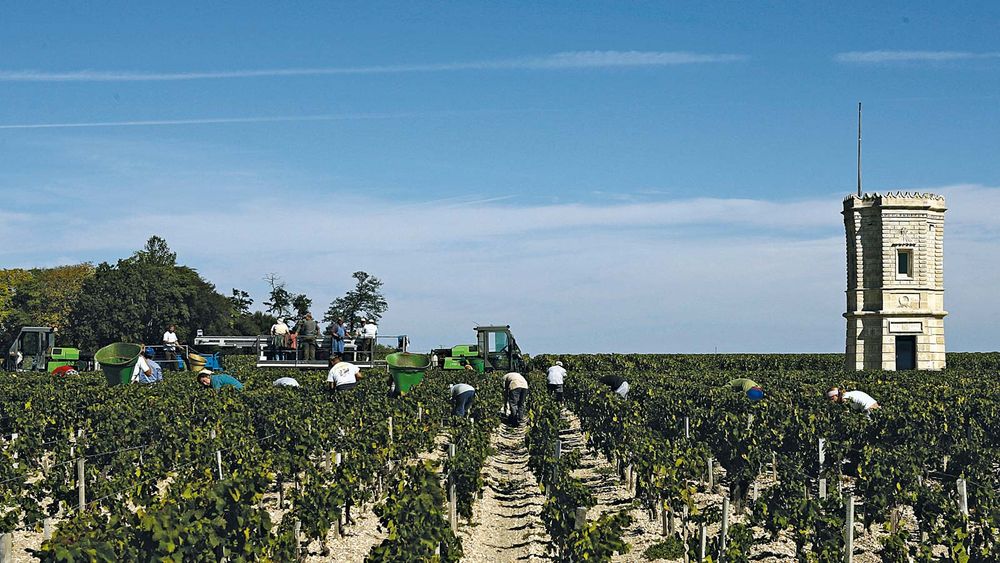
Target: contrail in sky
876 57
565 60
262 119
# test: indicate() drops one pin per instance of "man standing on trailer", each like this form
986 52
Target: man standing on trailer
857 400
554 377
170 347
369 331
337 335
753 391
307 331
462 395
617 384
515 391
343 376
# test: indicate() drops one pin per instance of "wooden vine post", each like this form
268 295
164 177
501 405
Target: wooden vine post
7 548
218 456
849 529
81 482
581 518
724 533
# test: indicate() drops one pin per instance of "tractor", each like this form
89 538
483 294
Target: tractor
35 349
495 350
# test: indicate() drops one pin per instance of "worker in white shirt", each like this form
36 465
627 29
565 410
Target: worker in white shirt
146 370
170 346
857 400
462 395
343 375
369 330
554 377
515 392
279 338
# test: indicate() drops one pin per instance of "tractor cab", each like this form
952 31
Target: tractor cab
35 349
498 347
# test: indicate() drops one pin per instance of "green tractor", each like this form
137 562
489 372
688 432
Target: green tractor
495 350
35 349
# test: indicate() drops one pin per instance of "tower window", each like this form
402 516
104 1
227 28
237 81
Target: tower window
904 263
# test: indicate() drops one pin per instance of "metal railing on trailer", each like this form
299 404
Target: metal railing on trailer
276 351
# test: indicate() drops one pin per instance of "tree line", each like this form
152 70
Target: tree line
136 298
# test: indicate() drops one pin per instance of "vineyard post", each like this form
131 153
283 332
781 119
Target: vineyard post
684 532
687 428
944 464
81 485
703 542
725 527
298 538
558 449
822 452
218 456
47 529
849 530
451 451
774 465
822 488
420 412
581 518
7 548
749 421
13 439
963 497
452 506
711 475
390 429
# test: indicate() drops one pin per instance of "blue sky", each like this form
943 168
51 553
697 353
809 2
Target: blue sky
560 167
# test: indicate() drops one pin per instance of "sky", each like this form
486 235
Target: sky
601 176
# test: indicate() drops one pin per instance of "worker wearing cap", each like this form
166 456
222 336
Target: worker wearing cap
307 331
369 330
515 392
857 400
218 381
145 369
753 391
279 337
462 395
343 375
554 377
617 384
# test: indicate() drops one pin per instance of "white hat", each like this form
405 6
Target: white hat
205 371
280 320
558 363
833 393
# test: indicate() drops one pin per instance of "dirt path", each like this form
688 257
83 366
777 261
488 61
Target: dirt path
505 523
610 491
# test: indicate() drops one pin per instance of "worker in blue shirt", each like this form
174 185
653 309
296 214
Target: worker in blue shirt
337 335
218 381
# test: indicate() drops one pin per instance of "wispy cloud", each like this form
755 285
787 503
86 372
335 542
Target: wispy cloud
879 57
564 60
253 119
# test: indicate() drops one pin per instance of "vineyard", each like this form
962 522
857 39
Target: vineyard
683 470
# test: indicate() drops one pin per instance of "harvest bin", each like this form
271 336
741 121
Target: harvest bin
117 360
407 369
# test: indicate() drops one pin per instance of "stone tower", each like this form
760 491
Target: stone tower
895 281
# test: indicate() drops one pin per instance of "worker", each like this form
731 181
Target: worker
857 400
617 384
343 375
462 395
145 369
515 392
337 335
753 391
170 347
307 331
369 330
218 381
286 382
554 377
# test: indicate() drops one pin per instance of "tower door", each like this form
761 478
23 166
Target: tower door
906 353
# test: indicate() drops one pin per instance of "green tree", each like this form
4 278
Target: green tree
40 297
364 301
137 298
280 303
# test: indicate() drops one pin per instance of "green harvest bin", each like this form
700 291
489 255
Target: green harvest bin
478 364
407 369
117 360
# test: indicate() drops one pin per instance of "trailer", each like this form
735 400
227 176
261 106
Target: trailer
35 349
278 352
